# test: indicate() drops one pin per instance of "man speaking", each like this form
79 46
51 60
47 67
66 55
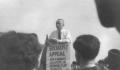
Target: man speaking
60 35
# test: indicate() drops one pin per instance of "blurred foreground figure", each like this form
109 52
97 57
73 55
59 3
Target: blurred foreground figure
86 49
113 59
109 13
19 51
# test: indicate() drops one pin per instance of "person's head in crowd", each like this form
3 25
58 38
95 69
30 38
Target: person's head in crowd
59 24
86 48
19 51
113 59
109 13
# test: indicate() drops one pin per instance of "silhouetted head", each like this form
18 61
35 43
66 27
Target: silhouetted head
113 59
86 47
109 13
19 51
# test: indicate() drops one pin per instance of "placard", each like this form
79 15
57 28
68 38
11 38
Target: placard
58 56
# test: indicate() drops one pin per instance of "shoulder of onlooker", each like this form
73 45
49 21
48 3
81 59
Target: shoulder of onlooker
66 31
53 32
90 68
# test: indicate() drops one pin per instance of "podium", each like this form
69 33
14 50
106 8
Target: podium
58 56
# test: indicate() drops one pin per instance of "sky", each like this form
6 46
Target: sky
39 16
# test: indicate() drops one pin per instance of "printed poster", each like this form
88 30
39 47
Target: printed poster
58 56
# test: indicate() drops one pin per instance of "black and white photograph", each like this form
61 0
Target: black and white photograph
59 34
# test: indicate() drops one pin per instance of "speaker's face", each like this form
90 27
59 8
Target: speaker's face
60 24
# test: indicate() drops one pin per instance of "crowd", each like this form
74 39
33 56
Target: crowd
20 51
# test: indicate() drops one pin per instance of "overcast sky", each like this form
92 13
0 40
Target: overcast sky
39 16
